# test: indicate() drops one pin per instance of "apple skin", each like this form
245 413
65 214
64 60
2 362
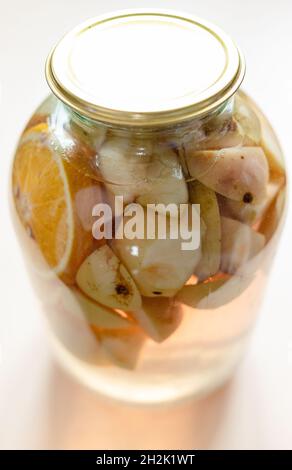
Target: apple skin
103 278
211 239
236 173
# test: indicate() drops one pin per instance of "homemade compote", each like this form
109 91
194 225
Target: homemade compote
142 319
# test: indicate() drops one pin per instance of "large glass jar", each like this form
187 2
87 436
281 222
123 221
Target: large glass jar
146 110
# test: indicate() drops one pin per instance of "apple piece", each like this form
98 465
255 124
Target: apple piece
239 173
214 293
239 126
122 346
164 179
248 122
270 222
275 160
193 294
160 267
123 164
143 171
158 317
246 212
239 244
214 132
76 303
220 133
269 141
103 278
85 200
93 135
211 241
118 338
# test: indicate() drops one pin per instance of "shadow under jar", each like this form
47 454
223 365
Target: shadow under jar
146 109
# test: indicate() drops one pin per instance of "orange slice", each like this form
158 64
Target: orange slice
44 189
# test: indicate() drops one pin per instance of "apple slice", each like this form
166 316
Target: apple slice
123 164
211 241
249 213
76 303
75 317
248 122
122 346
214 293
214 132
192 295
92 135
160 267
158 318
239 173
269 141
237 126
222 132
85 200
270 222
239 244
275 160
164 178
103 278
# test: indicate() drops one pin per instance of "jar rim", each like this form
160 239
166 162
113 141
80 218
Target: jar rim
214 93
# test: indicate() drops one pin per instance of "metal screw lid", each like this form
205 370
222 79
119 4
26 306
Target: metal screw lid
144 68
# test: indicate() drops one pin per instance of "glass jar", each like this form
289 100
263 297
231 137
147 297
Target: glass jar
132 123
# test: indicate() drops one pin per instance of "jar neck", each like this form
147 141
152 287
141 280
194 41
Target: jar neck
201 124
80 139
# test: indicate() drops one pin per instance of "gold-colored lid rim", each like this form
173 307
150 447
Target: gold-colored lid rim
145 119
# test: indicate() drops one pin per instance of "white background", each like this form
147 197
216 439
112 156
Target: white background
40 406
